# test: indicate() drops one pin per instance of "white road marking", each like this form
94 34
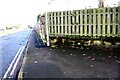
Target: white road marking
17 56
15 65
9 68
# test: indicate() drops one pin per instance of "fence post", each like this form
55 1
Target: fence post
119 19
47 29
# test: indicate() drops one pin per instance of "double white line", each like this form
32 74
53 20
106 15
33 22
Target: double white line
14 63
11 69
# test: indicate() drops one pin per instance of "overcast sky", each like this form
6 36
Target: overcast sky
26 11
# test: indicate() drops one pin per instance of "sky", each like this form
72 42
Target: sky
25 11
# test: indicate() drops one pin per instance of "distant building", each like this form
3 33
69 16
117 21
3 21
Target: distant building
101 3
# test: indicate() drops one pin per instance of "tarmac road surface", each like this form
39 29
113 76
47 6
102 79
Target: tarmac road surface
9 46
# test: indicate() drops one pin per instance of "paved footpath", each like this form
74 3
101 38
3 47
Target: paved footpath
46 62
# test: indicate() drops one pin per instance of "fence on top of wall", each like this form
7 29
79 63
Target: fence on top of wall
94 22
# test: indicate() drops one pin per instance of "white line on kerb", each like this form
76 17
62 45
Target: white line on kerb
9 68
15 65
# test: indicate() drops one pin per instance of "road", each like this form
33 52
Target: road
9 46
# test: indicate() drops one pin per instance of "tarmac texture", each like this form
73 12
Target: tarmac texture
59 62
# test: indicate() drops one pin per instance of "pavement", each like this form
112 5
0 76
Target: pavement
60 62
